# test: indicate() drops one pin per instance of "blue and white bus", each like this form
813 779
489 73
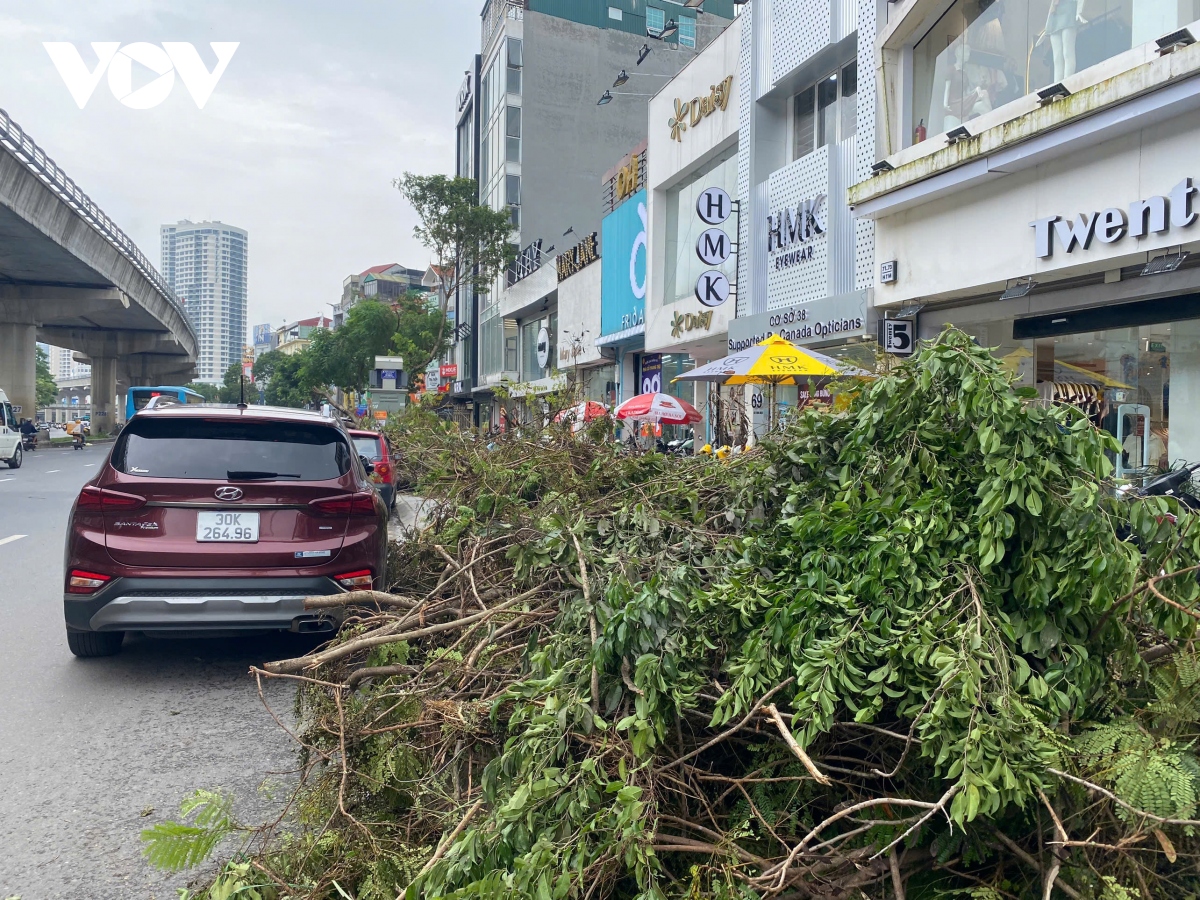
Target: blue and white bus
139 396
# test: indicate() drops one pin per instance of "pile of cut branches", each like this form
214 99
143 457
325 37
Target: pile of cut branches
910 649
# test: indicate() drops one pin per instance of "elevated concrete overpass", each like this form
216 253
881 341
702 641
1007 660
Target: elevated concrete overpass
72 278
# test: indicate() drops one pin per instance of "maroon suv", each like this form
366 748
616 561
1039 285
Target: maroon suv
218 518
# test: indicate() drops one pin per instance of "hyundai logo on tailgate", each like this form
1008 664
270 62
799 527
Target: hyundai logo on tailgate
228 493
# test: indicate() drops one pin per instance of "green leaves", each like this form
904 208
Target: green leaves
178 845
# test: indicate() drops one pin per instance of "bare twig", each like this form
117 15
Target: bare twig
789 739
1117 800
445 844
1024 857
897 881
1057 854
593 626
314 660
730 731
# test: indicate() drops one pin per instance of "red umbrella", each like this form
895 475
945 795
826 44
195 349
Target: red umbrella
583 412
659 408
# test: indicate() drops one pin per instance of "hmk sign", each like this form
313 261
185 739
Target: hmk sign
117 60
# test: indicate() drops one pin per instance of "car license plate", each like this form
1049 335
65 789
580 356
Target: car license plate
240 527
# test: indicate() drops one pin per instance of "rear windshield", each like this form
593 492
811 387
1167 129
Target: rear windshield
368 447
230 450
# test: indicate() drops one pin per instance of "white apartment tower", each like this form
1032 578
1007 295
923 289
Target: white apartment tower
63 366
206 265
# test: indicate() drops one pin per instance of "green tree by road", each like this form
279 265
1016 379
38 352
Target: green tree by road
47 388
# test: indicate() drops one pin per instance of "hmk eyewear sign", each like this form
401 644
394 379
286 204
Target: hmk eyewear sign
713 247
623 266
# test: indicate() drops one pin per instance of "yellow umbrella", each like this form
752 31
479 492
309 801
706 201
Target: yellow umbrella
773 361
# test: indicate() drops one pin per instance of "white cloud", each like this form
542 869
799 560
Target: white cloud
319 109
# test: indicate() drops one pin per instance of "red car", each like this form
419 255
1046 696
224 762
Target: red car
373 447
219 518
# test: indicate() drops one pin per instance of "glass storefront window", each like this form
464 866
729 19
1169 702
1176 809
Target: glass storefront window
600 384
1126 380
530 370
684 228
825 113
982 54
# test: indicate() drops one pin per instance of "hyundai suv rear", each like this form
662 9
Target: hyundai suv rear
220 518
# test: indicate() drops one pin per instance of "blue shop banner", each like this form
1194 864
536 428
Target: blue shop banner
623 266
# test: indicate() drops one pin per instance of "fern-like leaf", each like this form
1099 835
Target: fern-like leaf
178 845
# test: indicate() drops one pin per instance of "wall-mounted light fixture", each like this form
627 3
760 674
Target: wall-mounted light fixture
1161 265
1175 40
1017 288
1056 91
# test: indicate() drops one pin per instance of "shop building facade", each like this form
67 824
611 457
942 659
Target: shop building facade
807 132
691 188
1060 230
530 131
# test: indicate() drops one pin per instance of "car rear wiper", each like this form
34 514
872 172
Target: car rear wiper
255 475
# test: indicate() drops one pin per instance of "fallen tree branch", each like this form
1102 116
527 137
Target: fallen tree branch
593 625
1058 853
940 805
782 867
341 651
897 881
789 739
729 731
365 598
1117 800
445 845
1024 857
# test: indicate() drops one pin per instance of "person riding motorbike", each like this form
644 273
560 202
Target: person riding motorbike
75 429
29 435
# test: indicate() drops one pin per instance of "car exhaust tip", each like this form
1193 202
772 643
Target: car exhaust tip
312 625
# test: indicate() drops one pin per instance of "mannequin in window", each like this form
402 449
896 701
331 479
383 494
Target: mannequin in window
968 89
1062 26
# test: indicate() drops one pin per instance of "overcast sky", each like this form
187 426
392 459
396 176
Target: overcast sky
322 104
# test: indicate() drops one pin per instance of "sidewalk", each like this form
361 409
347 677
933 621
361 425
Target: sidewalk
411 512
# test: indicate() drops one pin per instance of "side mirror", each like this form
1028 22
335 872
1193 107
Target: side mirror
367 464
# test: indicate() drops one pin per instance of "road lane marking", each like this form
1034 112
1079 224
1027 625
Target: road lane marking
2 480
52 471
88 465
11 538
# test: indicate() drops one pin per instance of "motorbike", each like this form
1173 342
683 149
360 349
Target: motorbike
1171 485
29 441
681 447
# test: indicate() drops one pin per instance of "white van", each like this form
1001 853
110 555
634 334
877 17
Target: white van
10 435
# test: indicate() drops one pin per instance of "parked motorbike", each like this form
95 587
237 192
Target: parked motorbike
681 447
1171 485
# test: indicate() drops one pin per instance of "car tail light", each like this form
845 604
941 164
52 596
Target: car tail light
358 580
361 504
81 582
96 499
384 471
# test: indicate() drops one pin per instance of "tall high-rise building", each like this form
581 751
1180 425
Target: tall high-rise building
63 366
557 94
206 265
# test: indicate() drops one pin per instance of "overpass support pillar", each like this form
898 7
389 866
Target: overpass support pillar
104 393
18 367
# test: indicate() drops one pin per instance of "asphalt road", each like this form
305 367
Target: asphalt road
93 751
